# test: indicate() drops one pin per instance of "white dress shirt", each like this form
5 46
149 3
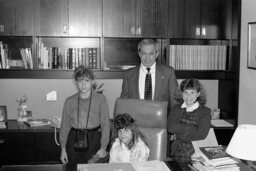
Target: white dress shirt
142 77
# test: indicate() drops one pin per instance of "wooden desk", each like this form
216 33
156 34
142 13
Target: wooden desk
21 144
173 166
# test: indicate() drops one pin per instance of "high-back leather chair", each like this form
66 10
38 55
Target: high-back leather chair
151 118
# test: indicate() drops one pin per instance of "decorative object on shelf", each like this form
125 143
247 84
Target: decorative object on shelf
215 113
98 88
3 113
251 58
22 109
243 143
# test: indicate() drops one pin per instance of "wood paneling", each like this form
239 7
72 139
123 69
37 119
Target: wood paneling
53 17
85 17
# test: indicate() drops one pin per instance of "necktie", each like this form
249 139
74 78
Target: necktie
148 86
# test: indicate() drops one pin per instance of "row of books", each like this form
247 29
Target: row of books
7 62
67 58
198 57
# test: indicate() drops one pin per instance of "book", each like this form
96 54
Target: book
216 156
214 152
37 122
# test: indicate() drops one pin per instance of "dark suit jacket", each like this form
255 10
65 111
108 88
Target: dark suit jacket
165 84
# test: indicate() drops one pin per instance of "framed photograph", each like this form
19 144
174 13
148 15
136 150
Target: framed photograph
3 113
251 61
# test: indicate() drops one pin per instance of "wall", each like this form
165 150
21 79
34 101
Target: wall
247 85
36 90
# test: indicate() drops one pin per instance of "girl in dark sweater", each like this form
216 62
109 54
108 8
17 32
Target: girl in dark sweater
188 121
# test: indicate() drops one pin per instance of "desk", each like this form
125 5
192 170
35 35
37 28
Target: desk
21 144
174 166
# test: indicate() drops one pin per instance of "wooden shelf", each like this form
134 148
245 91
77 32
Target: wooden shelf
205 74
110 74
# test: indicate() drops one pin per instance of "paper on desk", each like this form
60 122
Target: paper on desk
153 165
209 141
105 167
222 123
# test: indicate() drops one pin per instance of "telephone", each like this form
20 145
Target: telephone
55 122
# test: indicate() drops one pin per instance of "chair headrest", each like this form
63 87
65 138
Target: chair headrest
146 113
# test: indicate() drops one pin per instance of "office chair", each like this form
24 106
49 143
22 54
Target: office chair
151 118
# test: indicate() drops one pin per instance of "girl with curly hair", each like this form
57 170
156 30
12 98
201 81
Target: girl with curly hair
188 121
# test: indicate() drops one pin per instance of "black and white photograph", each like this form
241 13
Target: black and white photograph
3 113
107 82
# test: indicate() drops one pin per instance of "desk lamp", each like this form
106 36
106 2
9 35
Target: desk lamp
243 143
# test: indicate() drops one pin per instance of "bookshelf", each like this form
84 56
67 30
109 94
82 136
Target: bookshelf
110 33
49 53
66 53
199 54
10 50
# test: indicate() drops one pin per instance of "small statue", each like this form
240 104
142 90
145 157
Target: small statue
22 109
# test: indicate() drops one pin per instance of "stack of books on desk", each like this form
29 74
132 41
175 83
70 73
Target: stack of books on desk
215 159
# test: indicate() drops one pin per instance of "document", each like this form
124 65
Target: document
105 167
152 165
222 123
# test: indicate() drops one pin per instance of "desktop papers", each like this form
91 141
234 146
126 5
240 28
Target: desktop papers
153 165
105 167
222 123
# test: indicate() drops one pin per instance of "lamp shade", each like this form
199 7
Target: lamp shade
243 143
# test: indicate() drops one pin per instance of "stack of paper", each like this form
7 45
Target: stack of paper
201 167
153 165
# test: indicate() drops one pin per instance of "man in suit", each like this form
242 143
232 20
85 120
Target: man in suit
163 79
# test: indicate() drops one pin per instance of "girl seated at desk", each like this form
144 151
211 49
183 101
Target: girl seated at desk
129 144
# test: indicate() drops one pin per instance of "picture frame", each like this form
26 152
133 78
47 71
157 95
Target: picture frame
3 113
251 57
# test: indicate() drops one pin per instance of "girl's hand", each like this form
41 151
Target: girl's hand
102 153
64 156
